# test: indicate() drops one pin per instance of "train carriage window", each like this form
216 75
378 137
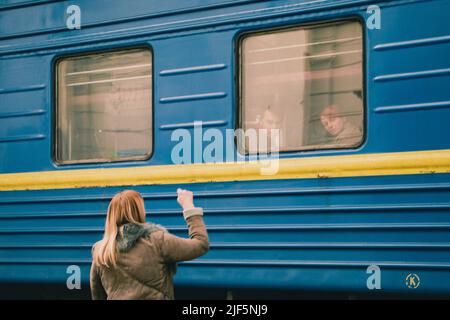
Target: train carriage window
104 107
305 81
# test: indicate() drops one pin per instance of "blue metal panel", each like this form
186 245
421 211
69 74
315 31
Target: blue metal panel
307 234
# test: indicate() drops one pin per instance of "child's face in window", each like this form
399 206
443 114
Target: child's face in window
333 124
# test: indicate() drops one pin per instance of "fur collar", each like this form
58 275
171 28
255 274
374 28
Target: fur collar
130 233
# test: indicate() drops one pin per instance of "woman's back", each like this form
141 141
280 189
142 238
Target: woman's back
146 259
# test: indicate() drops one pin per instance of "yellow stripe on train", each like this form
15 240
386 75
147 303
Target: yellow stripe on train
375 164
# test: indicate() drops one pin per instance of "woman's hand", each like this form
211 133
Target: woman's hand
185 199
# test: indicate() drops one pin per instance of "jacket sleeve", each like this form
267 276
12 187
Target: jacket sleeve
180 249
97 290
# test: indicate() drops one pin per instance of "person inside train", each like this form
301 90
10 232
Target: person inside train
343 130
137 260
261 140
271 122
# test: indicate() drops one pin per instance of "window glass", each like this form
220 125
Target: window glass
306 82
104 107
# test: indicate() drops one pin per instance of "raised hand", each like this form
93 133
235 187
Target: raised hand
185 198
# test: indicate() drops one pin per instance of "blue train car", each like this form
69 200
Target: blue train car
98 96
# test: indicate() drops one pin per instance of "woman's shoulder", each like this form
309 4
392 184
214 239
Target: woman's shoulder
150 228
155 232
132 232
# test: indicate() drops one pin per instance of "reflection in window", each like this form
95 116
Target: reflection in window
104 107
307 82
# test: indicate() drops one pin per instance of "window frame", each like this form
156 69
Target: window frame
55 137
239 111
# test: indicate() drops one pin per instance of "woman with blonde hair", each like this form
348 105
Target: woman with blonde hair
137 260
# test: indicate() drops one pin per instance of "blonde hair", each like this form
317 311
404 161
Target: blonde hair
125 207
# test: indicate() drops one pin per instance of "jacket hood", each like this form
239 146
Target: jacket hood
130 233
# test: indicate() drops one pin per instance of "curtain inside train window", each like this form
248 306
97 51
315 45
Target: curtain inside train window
305 81
104 107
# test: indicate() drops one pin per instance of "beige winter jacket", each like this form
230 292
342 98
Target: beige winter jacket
147 260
